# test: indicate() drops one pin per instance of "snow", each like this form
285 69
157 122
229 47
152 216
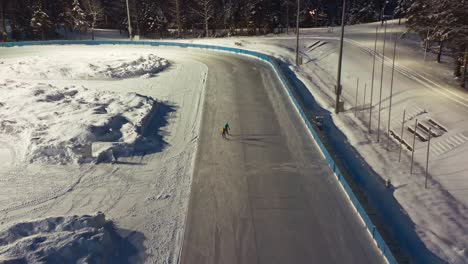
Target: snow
73 239
109 65
60 124
145 193
57 125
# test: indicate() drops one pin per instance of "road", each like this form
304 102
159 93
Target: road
265 195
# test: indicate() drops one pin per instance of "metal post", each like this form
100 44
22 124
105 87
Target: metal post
340 59
414 145
297 33
427 159
357 92
391 89
129 21
364 99
287 17
401 135
381 83
372 83
383 11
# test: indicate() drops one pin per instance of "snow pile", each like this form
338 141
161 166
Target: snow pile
56 66
60 124
74 239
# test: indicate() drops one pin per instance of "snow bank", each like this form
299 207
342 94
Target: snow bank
58 66
60 124
74 239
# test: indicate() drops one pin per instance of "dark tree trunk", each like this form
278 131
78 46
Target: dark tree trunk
459 61
457 67
441 48
2 13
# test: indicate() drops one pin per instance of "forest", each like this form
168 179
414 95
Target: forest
38 19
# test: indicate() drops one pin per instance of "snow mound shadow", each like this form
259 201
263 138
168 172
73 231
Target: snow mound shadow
73 239
105 66
74 124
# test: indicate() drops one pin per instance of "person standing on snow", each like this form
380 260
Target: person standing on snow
227 128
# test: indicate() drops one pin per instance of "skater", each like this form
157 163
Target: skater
227 128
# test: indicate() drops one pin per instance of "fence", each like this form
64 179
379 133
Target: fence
286 84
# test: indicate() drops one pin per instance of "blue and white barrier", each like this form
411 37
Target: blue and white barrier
287 85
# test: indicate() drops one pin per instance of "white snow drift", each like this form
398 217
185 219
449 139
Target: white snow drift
87 66
60 124
74 239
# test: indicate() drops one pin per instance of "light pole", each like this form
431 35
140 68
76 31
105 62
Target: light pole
297 33
383 11
391 89
381 83
129 21
340 60
372 83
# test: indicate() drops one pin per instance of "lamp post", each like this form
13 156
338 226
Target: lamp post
383 11
129 21
297 33
340 60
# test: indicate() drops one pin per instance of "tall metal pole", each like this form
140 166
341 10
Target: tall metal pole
287 17
381 84
372 83
401 135
129 21
414 145
357 93
427 159
364 99
297 33
391 89
383 11
340 59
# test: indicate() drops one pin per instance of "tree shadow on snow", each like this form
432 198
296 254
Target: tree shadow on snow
393 223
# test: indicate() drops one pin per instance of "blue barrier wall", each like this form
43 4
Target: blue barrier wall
286 84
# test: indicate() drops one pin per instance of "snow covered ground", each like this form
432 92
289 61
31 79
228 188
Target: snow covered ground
72 239
424 89
77 100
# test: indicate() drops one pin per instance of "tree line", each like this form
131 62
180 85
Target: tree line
39 19
444 22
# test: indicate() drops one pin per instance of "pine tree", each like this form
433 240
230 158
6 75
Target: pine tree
362 11
79 17
40 23
151 17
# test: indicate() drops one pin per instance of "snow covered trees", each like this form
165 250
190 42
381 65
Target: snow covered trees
444 21
95 12
362 11
80 22
205 10
40 23
150 18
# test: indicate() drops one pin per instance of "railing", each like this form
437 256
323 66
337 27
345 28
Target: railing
286 84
